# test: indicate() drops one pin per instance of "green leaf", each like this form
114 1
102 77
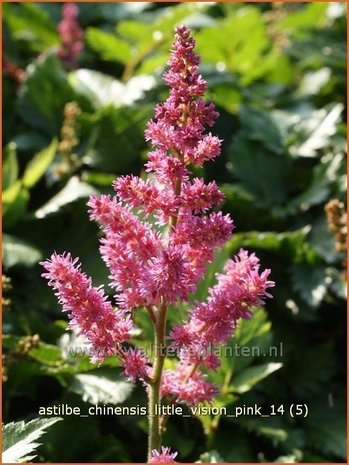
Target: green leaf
10 166
184 444
98 178
168 18
16 251
149 39
30 141
135 31
9 341
108 45
325 427
101 387
245 380
115 12
272 427
324 176
318 129
19 439
303 20
313 82
312 366
228 97
14 200
44 93
39 164
289 244
116 137
10 195
153 64
47 354
253 335
337 282
322 240
242 452
277 67
250 331
247 58
31 24
259 126
311 282
247 158
74 190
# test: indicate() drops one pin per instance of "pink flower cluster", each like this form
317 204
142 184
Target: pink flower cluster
71 35
87 306
184 384
211 323
136 364
240 288
159 235
165 456
145 267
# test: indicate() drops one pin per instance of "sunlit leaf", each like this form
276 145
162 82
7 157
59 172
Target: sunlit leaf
210 457
16 251
99 388
39 164
14 201
10 166
302 21
311 282
103 90
307 130
325 174
74 190
245 380
108 45
319 129
46 354
19 439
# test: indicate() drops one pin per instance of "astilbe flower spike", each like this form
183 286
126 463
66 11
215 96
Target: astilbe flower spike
71 35
87 306
159 235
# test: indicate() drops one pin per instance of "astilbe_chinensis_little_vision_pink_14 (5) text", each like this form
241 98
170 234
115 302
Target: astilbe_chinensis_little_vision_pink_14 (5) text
159 235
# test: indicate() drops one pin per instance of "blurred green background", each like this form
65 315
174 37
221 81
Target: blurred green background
277 74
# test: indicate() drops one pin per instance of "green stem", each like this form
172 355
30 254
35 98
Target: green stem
154 386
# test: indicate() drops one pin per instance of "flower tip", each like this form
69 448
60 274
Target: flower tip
182 29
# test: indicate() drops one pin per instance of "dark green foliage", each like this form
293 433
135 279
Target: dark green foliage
277 76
